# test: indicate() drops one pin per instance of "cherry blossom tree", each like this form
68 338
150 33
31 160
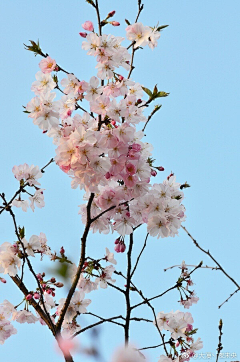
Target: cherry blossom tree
99 128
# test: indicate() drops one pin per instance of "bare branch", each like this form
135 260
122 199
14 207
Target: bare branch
210 255
139 256
220 346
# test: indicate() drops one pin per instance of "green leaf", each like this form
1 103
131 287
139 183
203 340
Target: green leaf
155 90
161 94
162 27
127 21
35 47
62 269
21 232
146 90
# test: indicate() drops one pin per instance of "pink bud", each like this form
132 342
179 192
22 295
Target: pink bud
122 248
115 23
113 123
29 297
59 285
83 35
108 175
52 280
153 172
88 25
3 280
171 174
43 274
49 291
62 251
43 286
36 296
44 132
111 14
128 214
117 248
177 344
189 328
121 77
53 294
160 168
117 241
56 68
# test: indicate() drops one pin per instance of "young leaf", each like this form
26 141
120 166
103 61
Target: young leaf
146 90
162 27
161 94
127 21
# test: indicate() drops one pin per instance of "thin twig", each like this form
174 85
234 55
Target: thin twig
103 320
139 256
189 265
150 116
237 290
210 255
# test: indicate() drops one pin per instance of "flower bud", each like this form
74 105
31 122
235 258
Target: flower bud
177 344
29 297
3 280
115 23
59 285
43 274
62 251
110 15
36 296
122 248
117 248
56 69
83 35
52 280
160 168
88 25
121 77
153 173
49 291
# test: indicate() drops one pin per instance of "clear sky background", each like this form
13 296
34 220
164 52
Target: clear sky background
195 135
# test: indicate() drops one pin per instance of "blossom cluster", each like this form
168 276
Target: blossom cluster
189 297
181 328
28 176
102 150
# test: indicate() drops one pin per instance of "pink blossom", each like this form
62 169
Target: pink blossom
88 25
47 65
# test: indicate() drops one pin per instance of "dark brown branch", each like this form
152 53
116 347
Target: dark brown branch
32 302
237 290
127 293
80 265
220 346
210 255
159 345
150 116
103 320
166 291
109 209
139 256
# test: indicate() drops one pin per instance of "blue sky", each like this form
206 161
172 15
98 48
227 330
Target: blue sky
195 135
